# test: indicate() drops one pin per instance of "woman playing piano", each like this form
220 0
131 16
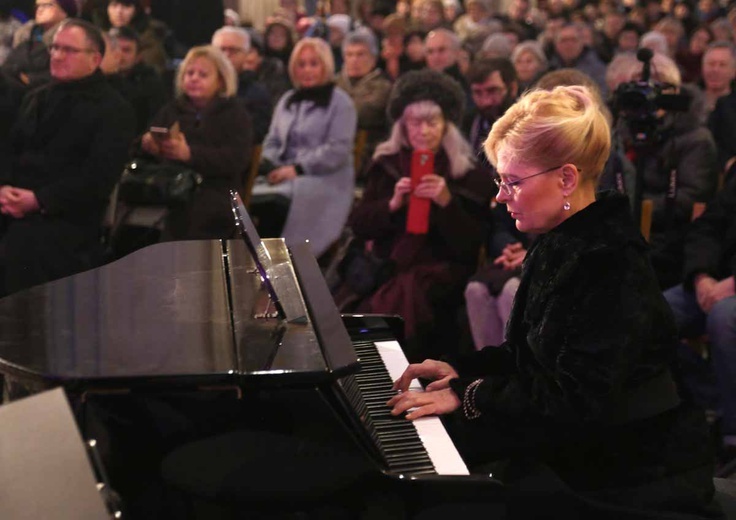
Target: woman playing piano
582 383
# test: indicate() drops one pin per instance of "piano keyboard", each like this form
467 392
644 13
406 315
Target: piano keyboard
408 447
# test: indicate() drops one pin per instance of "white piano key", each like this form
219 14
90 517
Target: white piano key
439 445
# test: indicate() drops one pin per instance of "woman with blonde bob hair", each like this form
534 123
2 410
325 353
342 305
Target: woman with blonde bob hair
206 129
307 167
581 388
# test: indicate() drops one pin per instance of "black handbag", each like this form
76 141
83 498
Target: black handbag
149 183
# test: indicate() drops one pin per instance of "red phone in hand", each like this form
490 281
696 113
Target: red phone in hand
417 220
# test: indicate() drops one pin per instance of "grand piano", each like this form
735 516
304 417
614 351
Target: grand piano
220 316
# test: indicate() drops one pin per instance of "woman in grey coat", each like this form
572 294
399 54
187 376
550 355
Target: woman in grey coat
308 152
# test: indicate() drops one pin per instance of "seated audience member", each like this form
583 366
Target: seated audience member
529 63
368 87
656 42
429 270
66 152
156 40
9 24
674 33
677 165
270 72
27 65
442 48
214 139
392 58
137 82
570 51
235 43
414 51
722 124
719 72
278 39
495 46
606 38
430 15
628 39
479 13
706 302
690 58
338 26
307 155
580 397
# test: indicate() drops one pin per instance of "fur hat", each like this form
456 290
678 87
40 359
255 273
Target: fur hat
70 7
427 85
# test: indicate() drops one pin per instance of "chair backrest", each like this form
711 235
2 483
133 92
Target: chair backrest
647 206
361 138
255 161
46 472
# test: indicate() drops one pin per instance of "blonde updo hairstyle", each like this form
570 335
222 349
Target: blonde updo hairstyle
546 128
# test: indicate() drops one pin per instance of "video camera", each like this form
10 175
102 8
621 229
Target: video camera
637 102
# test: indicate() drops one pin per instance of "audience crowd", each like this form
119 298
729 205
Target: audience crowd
328 107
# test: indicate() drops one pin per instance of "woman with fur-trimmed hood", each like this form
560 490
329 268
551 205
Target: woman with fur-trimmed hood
429 270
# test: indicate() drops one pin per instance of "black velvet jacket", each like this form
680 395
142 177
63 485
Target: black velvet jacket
589 328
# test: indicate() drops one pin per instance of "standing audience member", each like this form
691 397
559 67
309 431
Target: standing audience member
27 65
719 72
580 397
307 155
429 270
67 150
706 302
137 81
235 43
214 139
368 87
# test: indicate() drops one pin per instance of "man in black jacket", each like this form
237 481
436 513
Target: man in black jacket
67 150
706 301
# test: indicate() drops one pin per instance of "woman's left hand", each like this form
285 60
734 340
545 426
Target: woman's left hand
176 149
434 187
281 174
419 404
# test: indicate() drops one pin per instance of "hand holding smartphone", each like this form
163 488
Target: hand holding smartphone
417 220
159 133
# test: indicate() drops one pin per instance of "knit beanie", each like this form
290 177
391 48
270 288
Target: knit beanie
427 85
70 7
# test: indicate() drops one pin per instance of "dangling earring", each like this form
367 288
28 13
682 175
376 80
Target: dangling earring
566 205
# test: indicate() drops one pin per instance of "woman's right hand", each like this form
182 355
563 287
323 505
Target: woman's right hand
402 188
149 144
438 371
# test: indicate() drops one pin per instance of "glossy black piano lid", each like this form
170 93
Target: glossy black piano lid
161 312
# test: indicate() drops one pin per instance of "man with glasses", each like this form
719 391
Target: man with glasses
67 150
235 43
27 65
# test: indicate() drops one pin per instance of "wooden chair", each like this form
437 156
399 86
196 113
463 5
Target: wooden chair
250 179
361 138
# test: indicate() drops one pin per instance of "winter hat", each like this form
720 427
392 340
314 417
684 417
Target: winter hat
70 7
427 85
341 22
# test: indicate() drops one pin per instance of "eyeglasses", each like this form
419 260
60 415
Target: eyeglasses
65 49
231 50
506 186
